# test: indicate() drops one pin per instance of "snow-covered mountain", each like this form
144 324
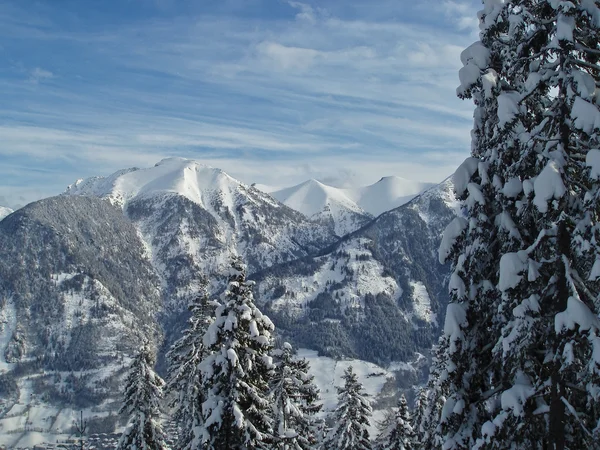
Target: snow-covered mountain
76 297
4 211
193 218
347 209
388 193
325 204
85 275
382 280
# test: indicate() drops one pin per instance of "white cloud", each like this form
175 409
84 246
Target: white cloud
287 58
39 74
462 14
307 13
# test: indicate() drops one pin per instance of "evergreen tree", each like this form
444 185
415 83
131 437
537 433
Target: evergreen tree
295 402
143 391
351 418
184 378
236 374
396 430
517 366
430 401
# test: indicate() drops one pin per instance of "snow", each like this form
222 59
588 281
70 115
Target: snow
318 201
512 188
232 356
529 304
489 82
475 195
4 211
586 115
576 314
592 9
315 199
505 222
328 375
533 81
514 398
475 59
301 290
189 178
457 285
508 107
548 185
564 27
462 176
451 234
456 318
586 86
312 197
422 302
387 194
8 325
528 186
468 76
595 272
512 268
592 160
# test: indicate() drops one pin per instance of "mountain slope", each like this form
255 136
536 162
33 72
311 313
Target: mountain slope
77 295
326 204
193 218
4 211
387 194
377 295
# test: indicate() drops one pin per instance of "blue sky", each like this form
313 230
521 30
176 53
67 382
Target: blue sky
271 91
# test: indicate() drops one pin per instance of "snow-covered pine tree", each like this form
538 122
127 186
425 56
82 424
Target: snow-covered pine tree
237 412
549 391
295 402
463 372
396 431
143 391
430 401
184 376
351 417
534 173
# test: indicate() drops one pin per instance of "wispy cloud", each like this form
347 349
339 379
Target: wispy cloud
38 75
302 89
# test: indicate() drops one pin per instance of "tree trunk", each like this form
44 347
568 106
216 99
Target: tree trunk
556 433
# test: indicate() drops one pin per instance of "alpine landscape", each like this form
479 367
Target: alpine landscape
279 225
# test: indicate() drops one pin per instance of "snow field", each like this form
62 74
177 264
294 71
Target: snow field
8 325
328 375
422 303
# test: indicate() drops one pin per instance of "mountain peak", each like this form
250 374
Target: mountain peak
189 178
388 193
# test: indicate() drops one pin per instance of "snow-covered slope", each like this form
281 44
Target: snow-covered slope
387 194
326 204
4 211
77 296
193 218
382 280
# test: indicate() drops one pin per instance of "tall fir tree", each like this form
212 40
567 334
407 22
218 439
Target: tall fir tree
236 374
295 402
396 430
351 418
184 377
520 366
143 392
